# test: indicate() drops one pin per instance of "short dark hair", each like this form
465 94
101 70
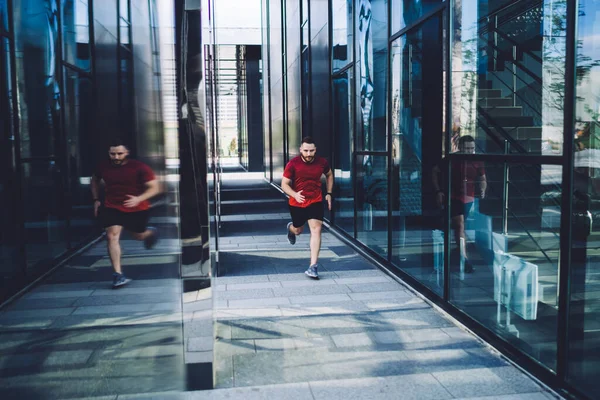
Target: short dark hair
308 140
116 142
465 139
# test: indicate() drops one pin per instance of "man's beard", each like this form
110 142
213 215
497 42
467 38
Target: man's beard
118 162
308 159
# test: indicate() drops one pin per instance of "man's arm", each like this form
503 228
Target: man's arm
287 189
95 186
152 189
329 180
435 181
482 185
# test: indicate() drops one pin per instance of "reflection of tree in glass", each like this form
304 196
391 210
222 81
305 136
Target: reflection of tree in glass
366 67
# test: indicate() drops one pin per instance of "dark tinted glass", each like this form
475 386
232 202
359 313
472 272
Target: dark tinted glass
76 33
342 33
372 202
584 351
371 28
505 247
406 12
344 186
508 80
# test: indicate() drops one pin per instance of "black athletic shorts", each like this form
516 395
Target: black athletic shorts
302 214
136 221
457 208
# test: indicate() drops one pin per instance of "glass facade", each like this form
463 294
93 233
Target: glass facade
66 87
464 159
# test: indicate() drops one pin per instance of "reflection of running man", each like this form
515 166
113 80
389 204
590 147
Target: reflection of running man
128 186
467 182
302 182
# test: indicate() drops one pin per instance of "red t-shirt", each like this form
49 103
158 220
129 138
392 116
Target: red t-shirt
122 180
465 174
306 177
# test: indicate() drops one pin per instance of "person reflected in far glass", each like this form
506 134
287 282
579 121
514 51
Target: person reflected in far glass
128 185
302 182
468 181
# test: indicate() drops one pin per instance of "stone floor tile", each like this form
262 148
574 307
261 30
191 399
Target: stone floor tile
364 280
352 340
258 303
228 348
395 294
293 391
408 387
310 290
319 298
274 344
486 381
235 313
245 294
520 396
255 285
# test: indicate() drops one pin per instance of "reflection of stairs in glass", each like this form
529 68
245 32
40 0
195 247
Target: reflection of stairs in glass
511 119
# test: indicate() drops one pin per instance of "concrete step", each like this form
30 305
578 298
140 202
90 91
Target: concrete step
504 111
516 121
524 132
232 207
487 93
495 102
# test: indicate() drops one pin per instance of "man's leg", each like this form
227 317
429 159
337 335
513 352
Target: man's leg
458 225
315 226
113 234
137 225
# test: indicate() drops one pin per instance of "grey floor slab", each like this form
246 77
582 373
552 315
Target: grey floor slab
417 387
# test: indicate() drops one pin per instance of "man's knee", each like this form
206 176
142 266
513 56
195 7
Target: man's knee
113 237
297 231
137 235
315 229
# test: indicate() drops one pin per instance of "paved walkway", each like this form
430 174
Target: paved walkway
354 334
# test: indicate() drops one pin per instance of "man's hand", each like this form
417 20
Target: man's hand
441 199
482 194
299 198
96 207
328 198
132 201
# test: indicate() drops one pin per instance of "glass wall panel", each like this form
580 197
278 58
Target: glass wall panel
584 319
45 212
504 251
36 34
344 187
372 202
508 74
36 41
372 70
405 12
76 33
3 16
124 9
78 123
10 266
342 33
416 129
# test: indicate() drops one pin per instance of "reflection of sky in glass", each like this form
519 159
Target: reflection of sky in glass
589 53
81 22
238 13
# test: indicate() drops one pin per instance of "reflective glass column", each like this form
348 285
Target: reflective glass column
584 319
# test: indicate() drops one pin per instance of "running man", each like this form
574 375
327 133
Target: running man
302 182
128 184
467 182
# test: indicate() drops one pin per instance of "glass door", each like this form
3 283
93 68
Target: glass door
417 103
10 262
